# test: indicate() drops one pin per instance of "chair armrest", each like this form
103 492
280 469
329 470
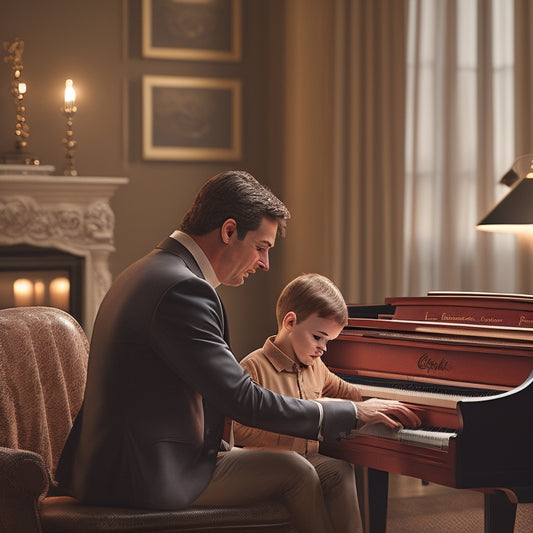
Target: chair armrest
23 483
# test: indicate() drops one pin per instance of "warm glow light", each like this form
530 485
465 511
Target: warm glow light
506 228
23 292
70 96
38 292
60 293
22 88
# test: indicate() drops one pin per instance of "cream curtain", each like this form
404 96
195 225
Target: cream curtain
344 142
465 101
400 117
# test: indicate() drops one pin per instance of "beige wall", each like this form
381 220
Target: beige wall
97 44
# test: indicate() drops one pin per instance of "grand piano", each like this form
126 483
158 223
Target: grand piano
464 363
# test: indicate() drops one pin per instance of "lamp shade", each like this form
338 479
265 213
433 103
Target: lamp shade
514 213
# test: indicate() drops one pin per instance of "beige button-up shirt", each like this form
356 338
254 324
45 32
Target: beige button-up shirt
273 369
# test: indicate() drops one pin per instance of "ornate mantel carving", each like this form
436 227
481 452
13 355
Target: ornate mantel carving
72 214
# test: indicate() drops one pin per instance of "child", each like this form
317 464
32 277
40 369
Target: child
310 312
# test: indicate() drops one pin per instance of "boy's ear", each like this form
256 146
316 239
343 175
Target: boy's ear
290 320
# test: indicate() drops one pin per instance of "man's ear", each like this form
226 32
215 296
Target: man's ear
228 228
290 320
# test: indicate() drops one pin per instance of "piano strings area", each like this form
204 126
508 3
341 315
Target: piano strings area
415 507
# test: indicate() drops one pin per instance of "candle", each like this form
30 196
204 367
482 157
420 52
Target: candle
70 97
60 293
23 292
38 292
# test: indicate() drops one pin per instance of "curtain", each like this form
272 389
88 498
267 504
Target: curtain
464 106
523 109
344 143
398 120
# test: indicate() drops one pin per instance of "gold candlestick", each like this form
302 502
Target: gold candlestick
70 143
14 50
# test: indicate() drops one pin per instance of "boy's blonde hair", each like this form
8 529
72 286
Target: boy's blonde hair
312 293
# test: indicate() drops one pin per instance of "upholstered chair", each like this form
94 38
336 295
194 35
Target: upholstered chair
43 365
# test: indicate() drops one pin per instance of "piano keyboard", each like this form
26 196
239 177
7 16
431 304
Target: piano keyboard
415 392
434 438
434 399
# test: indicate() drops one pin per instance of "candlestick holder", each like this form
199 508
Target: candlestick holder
14 50
69 141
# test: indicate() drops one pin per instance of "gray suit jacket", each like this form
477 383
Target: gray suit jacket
161 379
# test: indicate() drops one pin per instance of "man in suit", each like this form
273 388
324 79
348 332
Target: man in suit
162 377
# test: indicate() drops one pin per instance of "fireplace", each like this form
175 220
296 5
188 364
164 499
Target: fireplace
56 235
32 275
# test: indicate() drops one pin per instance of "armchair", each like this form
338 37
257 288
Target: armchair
43 365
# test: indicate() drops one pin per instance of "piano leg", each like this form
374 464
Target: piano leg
373 491
500 513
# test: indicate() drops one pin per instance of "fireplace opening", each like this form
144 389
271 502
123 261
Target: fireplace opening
31 275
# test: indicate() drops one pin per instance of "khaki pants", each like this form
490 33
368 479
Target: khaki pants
319 493
337 479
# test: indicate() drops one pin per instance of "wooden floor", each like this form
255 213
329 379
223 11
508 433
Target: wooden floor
417 508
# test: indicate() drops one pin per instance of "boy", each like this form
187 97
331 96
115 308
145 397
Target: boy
310 312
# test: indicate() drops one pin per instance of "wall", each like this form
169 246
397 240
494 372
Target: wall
97 44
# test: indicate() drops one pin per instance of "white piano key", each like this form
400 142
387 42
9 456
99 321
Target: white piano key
426 437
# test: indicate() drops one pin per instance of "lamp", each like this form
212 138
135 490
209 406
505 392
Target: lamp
514 213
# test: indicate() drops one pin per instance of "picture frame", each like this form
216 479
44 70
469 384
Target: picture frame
197 30
191 119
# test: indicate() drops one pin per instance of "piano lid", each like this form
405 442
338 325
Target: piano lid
490 309
451 331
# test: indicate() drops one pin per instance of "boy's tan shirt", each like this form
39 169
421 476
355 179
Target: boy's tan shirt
273 369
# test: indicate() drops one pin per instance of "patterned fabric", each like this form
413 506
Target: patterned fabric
43 368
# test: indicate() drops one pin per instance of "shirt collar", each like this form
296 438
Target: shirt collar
279 359
199 256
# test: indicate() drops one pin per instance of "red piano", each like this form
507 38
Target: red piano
464 362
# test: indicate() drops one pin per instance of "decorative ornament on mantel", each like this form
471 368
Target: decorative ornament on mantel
14 50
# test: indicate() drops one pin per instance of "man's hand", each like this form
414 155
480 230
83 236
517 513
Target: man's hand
389 412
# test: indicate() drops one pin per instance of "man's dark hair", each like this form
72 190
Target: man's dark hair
233 194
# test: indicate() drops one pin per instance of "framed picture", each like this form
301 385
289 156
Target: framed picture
201 30
191 119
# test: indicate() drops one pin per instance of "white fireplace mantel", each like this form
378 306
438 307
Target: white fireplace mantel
67 213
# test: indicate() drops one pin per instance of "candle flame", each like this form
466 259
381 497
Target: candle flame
70 96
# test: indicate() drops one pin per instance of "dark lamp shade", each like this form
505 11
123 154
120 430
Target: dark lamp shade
514 213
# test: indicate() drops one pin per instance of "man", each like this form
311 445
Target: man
162 377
